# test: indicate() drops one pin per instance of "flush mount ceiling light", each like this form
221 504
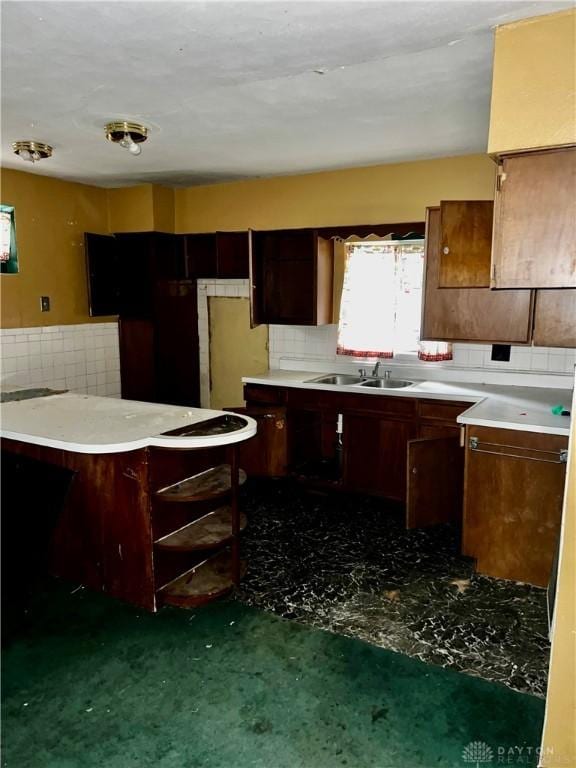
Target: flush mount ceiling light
32 151
127 135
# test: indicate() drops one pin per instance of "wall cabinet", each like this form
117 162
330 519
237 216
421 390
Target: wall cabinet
291 276
465 243
221 255
514 485
535 221
469 314
555 318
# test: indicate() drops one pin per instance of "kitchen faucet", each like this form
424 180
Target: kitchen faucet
387 372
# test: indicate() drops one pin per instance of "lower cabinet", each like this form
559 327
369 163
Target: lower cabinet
375 455
514 486
265 454
434 481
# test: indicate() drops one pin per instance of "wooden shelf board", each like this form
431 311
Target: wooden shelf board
209 531
210 484
206 581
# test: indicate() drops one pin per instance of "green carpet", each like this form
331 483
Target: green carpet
91 683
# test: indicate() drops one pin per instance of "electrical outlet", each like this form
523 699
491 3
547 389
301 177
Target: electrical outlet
501 353
45 303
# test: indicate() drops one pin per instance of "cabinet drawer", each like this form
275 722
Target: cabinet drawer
351 402
441 411
261 393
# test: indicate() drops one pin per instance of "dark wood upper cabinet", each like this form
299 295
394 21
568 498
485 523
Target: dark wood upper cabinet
232 255
102 272
465 243
535 221
201 255
555 318
291 275
469 314
217 254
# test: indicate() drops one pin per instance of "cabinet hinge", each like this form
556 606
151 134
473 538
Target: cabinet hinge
500 179
493 273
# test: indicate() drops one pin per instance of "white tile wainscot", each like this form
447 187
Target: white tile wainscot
207 287
81 358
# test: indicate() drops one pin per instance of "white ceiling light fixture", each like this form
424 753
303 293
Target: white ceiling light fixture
32 151
128 135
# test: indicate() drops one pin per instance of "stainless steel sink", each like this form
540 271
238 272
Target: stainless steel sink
337 379
386 383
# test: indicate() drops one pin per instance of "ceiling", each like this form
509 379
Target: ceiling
233 90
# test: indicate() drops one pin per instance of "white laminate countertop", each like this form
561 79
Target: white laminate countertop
90 424
527 409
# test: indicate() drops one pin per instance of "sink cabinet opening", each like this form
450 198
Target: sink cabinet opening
315 452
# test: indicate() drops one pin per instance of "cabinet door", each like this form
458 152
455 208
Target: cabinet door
291 274
136 274
137 359
469 314
514 485
232 254
265 454
555 318
375 455
102 270
169 256
176 347
435 477
201 255
535 221
465 243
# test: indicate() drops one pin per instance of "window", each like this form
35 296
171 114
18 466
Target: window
381 304
8 255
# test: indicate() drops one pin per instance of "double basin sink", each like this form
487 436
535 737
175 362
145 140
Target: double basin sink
347 380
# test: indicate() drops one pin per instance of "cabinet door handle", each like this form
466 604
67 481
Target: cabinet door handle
446 250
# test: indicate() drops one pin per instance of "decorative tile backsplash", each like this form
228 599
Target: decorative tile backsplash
81 358
297 342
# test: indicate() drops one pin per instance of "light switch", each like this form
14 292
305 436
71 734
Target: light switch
45 303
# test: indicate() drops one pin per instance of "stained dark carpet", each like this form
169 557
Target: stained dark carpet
89 682
348 565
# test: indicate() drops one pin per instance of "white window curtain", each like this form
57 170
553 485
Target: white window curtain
381 302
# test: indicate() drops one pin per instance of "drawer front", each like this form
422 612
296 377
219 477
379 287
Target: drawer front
262 393
440 410
351 402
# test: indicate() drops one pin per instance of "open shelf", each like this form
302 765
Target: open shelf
210 484
209 531
206 581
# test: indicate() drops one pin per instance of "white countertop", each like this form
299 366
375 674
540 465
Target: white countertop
527 409
90 424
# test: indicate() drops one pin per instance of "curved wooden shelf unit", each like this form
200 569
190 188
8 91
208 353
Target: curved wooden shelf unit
211 484
205 582
209 531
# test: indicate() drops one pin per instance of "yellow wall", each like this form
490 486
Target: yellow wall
533 86
131 209
163 206
559 740
51 218
236 350
376 194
